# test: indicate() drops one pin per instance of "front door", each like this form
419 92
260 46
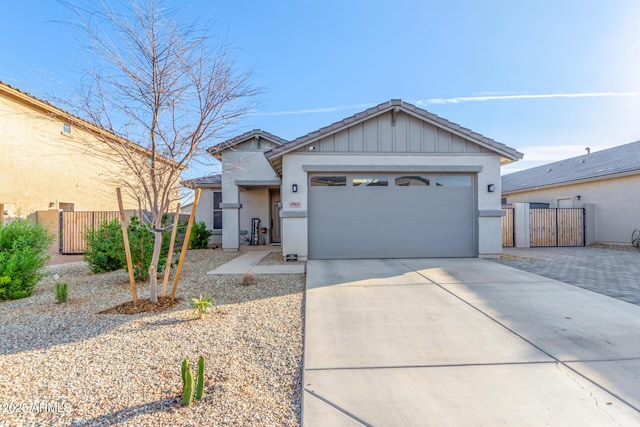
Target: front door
275 216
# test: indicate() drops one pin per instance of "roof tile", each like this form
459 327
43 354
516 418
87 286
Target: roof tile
621 159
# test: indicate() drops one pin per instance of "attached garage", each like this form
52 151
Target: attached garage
392 215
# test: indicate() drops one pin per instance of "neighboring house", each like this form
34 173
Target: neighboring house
209 210
392 181
53 161
609 179
45 164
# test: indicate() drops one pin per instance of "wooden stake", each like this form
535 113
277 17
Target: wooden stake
167 268
125 236
185 244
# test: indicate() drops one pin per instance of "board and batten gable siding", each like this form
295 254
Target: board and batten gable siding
408 135
254 144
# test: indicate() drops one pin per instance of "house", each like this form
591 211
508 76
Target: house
54 161
609 179
392 181
44 164
209 210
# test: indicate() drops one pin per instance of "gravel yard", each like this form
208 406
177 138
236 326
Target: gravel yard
64 364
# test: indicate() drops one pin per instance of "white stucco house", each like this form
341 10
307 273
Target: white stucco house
392 181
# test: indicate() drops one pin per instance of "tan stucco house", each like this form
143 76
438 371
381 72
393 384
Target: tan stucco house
45 162
392 181
609 179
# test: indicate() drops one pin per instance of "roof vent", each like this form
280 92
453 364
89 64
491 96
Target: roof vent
588 152
548 170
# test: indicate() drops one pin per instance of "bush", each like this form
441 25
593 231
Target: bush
105 248
199 236
23 253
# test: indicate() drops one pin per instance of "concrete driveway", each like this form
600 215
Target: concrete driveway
464 342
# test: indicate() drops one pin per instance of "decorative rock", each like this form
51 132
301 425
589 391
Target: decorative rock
81 368
249 279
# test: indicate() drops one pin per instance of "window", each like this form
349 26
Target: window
328 181
66 128
66 207
217 210
453 181
412 181
370 181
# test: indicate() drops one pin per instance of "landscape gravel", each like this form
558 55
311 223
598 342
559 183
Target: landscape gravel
66 365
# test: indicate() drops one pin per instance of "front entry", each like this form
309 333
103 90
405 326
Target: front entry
275 215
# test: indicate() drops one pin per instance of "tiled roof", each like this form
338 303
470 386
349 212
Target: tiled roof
600 164
382 108
245 137
203 181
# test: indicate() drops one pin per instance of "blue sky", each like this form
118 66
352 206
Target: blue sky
548 78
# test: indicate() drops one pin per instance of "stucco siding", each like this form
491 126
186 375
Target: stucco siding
255 204
241 202
616 204
294 164
41 165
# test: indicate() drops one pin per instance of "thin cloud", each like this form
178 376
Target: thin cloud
313 110
539 96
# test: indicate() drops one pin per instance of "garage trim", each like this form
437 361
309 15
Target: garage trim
392 169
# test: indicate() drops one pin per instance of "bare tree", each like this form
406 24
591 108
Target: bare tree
163 90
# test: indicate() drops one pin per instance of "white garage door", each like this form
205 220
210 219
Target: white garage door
391 215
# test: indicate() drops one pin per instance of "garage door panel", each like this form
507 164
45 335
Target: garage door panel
391 222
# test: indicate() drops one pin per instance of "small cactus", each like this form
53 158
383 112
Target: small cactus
188 389
200 379
185 366
192 387
61 292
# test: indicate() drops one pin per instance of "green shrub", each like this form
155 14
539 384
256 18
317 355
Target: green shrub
105 248
199 236
23 254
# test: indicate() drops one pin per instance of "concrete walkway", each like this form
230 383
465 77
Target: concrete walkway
248 262
464 342
609 272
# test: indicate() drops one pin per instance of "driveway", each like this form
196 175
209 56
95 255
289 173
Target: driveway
464 342
610 272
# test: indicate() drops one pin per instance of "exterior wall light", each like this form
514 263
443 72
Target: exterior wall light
491 188
578 197
294 188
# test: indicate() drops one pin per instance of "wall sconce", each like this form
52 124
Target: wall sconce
52 205
578 197
491 188
294 188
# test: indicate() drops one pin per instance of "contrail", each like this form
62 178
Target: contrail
540 96
314 110
456 100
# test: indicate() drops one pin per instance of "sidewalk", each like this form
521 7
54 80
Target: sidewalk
248 262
